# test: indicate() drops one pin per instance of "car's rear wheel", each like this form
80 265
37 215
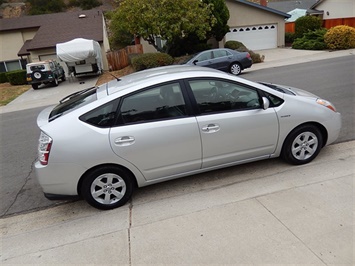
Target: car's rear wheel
302 145
55 82
107 187
64 77
235 69
35 86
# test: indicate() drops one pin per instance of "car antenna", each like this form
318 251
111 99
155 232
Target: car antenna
118 79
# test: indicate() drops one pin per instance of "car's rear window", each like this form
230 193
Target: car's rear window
72 102
37 67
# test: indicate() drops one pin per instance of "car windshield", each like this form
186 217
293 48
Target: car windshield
73 102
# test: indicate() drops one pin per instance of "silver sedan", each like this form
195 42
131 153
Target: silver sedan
170 122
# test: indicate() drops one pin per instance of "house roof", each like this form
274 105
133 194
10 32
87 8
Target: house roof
289 5
266 8
317 3
313 9
56 28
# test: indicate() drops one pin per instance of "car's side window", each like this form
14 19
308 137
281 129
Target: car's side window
103 116
218 96
160 102
205 56
220 53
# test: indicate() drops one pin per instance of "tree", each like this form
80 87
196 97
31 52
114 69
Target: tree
39 7
85 4
167 19
305 24
221 13
192 44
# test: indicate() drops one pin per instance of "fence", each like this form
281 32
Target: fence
328 23
120 59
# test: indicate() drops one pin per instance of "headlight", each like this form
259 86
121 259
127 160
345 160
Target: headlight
326 104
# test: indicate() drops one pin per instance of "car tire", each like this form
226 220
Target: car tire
64 77
55 82
235 69
107 187
302 145
37 75
35 86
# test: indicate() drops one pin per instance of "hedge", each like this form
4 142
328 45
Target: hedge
17 77
151 60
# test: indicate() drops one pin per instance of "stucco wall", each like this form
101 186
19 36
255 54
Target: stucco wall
337 9
10 45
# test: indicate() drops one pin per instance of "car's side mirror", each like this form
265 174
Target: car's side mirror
194 62
266 103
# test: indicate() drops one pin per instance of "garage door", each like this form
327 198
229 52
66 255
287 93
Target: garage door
54 57
255 37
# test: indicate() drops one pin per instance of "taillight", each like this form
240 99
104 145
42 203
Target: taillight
248 55
44 148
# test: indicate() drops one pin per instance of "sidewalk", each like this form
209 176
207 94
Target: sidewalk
260 213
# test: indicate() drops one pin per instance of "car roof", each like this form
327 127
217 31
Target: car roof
40 62
160 75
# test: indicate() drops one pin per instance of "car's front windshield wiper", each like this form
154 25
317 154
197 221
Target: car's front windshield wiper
75 94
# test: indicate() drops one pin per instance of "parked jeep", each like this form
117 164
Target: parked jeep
44 72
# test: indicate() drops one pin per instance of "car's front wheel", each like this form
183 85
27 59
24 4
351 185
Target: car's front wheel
302 145
107 187
235 69
55 82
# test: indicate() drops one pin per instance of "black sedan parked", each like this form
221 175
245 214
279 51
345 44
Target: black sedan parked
222 59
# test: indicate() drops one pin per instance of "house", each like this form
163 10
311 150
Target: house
334 12
33 38
257 26
289 5
296 8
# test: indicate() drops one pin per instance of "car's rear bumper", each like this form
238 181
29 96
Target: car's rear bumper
247 63
40 81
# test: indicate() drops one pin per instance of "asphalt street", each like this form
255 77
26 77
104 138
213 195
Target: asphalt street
267 212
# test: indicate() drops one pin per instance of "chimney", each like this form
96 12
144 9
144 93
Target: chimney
263 2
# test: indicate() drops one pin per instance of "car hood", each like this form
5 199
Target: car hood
289 90
304 93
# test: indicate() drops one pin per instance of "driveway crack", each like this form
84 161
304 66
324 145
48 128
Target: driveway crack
129 233
288 229
21 189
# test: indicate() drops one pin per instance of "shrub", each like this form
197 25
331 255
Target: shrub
3 78
17 77
235 45
151 60
305 24
340 37
312 40
289 37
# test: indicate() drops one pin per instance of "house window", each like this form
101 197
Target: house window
12 65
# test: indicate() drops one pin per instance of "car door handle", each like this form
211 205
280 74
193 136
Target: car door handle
124 141
211 128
